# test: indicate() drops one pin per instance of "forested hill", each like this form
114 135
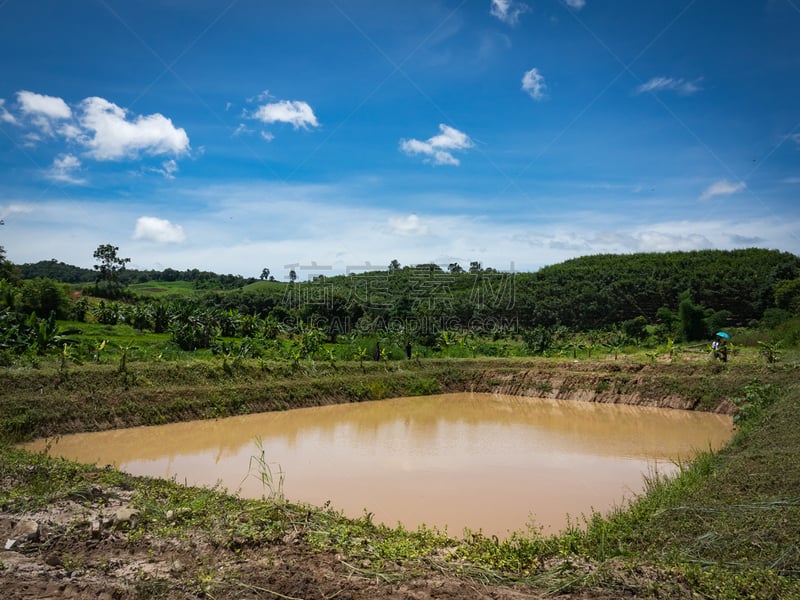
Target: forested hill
594 291
60 271
590 292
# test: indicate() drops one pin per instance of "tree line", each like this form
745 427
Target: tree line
683 296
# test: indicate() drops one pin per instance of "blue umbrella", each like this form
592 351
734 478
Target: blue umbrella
723 335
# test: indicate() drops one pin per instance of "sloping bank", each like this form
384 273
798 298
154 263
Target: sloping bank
38 403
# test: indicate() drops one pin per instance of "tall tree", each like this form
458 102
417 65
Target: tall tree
8 270
692 318
107 267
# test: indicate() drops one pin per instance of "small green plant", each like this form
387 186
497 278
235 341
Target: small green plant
123 359
330 355
205 582
271 479
770 352
99 349
361 355
65 356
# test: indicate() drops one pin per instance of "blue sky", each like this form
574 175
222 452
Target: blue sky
234 135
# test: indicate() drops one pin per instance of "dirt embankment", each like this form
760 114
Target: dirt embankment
681 386
41 404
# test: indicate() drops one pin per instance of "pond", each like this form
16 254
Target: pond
483 461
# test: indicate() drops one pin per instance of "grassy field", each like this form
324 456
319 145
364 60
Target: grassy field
728 526
161 289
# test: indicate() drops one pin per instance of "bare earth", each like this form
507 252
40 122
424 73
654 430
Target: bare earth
79 549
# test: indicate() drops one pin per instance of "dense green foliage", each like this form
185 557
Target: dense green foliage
609 302
60 271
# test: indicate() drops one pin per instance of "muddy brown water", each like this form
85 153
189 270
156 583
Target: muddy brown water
490 462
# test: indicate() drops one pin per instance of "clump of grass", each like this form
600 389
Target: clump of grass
270 475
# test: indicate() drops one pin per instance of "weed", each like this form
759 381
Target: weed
271 479
423 386
750 407
771 352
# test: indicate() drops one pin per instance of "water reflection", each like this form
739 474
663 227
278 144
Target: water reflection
477 460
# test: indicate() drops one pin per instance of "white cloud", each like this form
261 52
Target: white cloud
63 169
411 225
114 137
267 136
576 4
70 131
5 116
8 210
242 129
298 114
43 111
168 169
665 241
161 231
660 84
438 148
230 223
38 104
533 84
105 130
746 240
722 188
508 11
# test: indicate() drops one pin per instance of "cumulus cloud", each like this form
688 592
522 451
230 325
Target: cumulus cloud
669 84
112 136
439 148
52 107
105 130
160 231
42 111
5 116
508 11
411 225
64 169
297 113
722 188
576 4
533 84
